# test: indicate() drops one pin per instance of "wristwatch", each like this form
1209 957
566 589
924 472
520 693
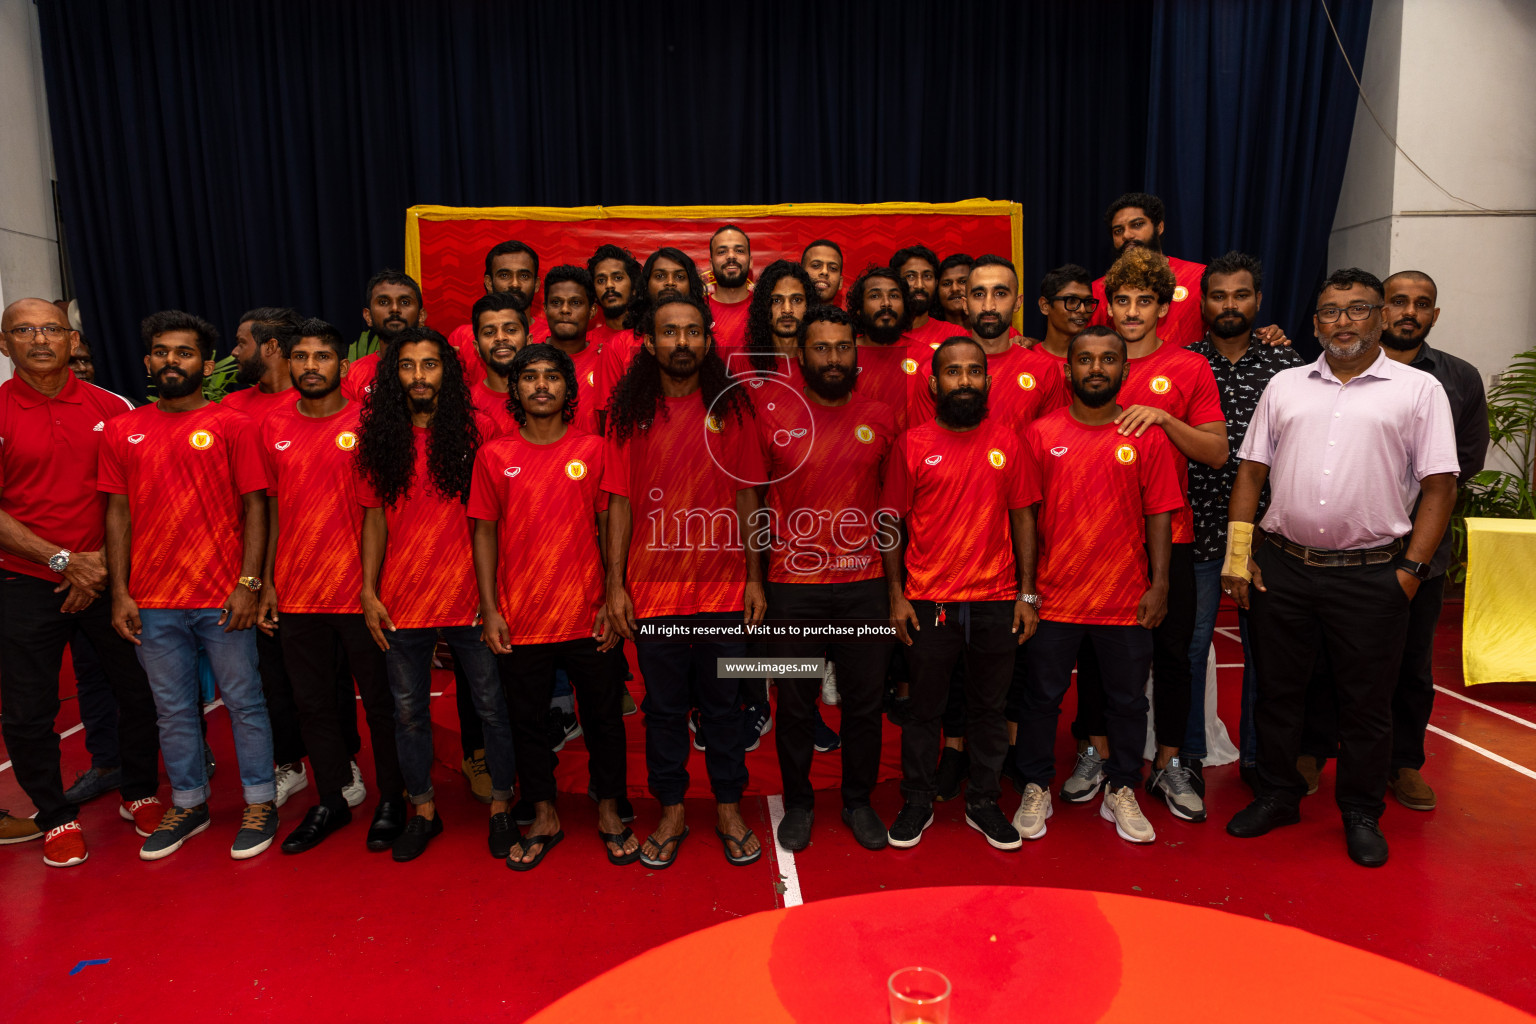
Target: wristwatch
1420 570
251 583
59 562
1033 600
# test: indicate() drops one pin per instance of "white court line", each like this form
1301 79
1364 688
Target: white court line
76 728
788 874
1487 707
1230 634
1490 755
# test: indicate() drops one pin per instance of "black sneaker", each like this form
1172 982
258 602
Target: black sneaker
177 826
757 721
258 830
987 819
563 726
419 831
868 830
503 835
954 766
907 830
694 721
92 783
825 739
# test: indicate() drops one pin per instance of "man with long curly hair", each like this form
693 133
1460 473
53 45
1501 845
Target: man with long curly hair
777 306
681 471
314 580
414 455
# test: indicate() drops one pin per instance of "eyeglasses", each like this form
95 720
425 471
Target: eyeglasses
1072 303
53 332
1359 311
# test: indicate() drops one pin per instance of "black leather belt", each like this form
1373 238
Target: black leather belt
1324 558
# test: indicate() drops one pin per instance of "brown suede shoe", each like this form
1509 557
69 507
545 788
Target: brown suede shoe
1310 770
1411 790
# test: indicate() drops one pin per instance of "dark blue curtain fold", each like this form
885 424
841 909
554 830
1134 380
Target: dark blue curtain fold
216 156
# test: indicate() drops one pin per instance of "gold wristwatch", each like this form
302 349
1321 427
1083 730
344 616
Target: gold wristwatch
251 583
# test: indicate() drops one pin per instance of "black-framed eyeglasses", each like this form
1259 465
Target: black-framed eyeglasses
1072 303
53 332
1358 311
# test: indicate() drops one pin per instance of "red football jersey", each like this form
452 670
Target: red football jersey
730 328
310 473
586 362
428 577
462 338
1023 390
184 475
357 385
1181 383
256 404
681 477
49 450
1183 325
935 332
612 363
1095 489
544 499
883 372
955 490
825 466
493 406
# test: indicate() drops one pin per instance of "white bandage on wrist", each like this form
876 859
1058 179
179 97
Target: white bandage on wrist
1239 546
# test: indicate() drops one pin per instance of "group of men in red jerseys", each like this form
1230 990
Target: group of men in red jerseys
700 473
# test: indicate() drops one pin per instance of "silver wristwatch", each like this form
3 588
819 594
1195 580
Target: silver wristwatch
1033 600
59 562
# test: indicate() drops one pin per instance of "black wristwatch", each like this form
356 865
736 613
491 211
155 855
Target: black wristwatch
1419 570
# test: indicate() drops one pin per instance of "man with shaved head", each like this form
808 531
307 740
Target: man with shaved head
53 575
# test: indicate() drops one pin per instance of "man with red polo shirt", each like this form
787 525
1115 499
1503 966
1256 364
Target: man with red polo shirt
314 570
1102 504
186 522
418 569
615 276
52 575
392 302
511 268
824 458
501 331
569 297
823 260
681 469
1173 389
730 259
539 489
877 301
918 266
958 586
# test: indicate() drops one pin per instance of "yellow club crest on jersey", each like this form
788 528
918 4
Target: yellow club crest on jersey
997 458
1160 384
1027 381
200 439
863 433
589 378
713 424
1180 293
575 469
909 365
346 440
1125 454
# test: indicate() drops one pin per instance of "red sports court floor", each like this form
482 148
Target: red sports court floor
343 934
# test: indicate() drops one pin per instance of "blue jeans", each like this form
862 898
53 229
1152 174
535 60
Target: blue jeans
168 652
1207 602
408 664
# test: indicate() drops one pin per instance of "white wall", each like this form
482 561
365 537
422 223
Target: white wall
1455 80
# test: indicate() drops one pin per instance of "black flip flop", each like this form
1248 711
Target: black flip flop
619 839
661 847
545 844
741 842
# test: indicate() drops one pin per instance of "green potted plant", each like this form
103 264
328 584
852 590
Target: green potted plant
1498 493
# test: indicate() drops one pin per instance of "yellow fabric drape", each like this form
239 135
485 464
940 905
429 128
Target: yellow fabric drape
1498 641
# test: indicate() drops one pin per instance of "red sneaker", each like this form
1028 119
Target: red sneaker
145 814
64 847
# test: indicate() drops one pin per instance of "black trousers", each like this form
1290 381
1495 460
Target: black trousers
1170 663
310 652
528 674
1358 615
287 738
861 669
987 646
1413 700
471 729
33 635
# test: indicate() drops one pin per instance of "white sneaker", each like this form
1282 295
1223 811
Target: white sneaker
829 695
1033 812
356 793
1120 807
290 778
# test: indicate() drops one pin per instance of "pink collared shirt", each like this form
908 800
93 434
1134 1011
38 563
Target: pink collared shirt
1345 459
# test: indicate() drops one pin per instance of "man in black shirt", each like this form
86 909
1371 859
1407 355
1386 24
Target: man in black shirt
1230 292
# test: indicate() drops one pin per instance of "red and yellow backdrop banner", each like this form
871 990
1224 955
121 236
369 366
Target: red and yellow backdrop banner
445 246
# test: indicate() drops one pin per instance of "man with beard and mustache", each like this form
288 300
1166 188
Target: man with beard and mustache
569 298
681 458
615 274
511 268
1231 290
314 583
777 306
730 258
501 332
1100 522
824 460
391 303
260 367
52 575
918 267
958 586
1409 316
952 276
1348 444
877 300
823 260
186 526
